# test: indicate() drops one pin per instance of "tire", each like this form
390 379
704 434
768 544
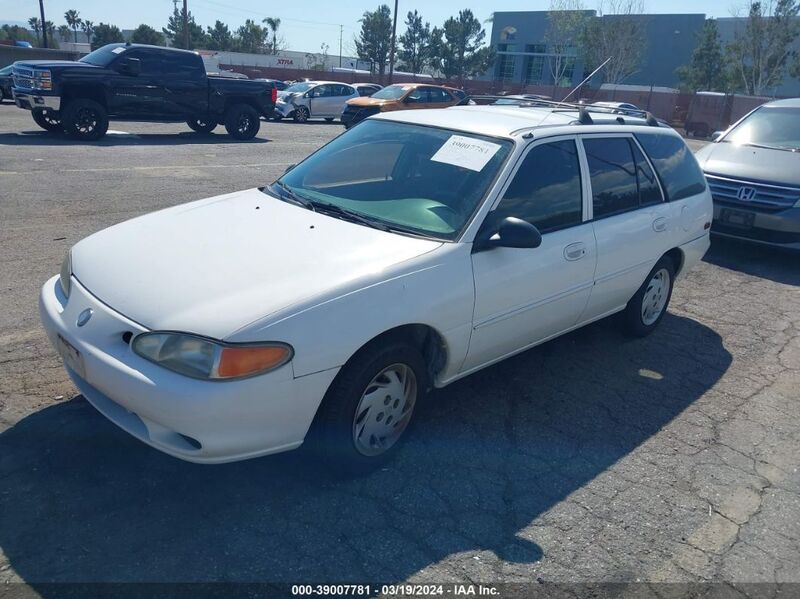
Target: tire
340 435
85 119
46 121
648 306
300 114
242 122
201 125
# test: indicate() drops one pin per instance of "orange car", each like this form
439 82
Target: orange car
401 96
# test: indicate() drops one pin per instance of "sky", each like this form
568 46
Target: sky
307 24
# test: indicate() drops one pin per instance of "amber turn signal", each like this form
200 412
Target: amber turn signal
245 361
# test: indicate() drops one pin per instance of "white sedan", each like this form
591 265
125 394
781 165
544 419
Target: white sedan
313 100
322 307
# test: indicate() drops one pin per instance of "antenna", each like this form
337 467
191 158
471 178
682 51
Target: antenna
592 74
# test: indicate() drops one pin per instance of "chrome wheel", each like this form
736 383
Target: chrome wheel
655 296
384 410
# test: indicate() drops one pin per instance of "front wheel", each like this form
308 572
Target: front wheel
300 114
202 125
648 306
46 120
367 411
86 120
242 121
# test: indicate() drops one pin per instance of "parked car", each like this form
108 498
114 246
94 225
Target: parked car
753 170
314 99
620 107
138 82
279 85
407 253
401 96
6 83
367 89
518 99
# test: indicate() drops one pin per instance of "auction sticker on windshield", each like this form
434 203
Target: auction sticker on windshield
466 152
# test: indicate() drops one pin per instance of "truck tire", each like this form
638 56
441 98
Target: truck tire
46 120
201 125
242 121
85 119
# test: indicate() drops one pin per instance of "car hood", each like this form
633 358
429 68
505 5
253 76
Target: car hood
55 64
214 266
779 167
367 102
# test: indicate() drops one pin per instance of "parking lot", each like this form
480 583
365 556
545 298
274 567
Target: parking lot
593 458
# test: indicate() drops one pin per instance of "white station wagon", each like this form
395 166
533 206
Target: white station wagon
407 253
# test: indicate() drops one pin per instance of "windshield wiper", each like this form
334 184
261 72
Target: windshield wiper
349 214
285 193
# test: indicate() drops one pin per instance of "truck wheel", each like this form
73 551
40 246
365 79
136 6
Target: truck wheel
242 121
85 119
201 125
300 114
46 120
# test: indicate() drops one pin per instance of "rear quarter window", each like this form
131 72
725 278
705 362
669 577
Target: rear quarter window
675 164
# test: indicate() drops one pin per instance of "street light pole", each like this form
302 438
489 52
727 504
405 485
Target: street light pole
185 26
44 26
394 37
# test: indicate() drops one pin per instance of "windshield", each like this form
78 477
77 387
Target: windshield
102 57
300 87
771 126
391 92
417 179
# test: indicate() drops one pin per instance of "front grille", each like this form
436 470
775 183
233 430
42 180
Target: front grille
763 197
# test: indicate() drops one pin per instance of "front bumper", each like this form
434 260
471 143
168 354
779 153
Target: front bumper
31 100
775 229
198 421
353 115
284 109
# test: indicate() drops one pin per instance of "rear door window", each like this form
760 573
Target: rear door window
612 171
649 191
676 166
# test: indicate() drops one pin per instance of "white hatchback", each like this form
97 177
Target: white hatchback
313 100
322 307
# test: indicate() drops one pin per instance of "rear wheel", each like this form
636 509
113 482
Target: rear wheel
242 121
48 121
202 124
648 306
85 119
300 114
367 411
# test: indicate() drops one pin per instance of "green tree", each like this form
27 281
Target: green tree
105 33
219 37
52 42
617 33
73 19
88 28
708 69
415 44
273 23
374 39
762 51
566 20
64 32
36 25
250 37
144 34
16 33
458 46
174 31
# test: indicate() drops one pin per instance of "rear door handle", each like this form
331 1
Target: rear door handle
660 224
575 251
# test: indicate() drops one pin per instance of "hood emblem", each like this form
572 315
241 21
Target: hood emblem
746 194
84 316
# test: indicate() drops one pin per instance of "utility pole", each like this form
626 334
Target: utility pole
185 26
394 37
44 24
341 29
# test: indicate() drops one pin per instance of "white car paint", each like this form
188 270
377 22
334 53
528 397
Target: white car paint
247 267
318 107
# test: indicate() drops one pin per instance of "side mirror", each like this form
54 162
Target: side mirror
716 135
511 232
130 66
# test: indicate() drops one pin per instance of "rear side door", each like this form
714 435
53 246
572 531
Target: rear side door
632 222
185 84
525 296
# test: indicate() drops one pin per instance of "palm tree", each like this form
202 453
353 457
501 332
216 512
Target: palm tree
64 33
88 28
74 21
36 25
273 23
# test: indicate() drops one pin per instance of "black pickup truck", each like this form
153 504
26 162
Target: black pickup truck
134 82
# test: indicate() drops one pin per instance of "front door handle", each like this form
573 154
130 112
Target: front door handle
575 251
660 224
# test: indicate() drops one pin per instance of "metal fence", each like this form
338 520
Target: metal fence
11 54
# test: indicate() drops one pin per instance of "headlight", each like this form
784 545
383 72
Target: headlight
42 79
65 277
203 358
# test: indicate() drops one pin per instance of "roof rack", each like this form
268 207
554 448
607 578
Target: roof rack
584 118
